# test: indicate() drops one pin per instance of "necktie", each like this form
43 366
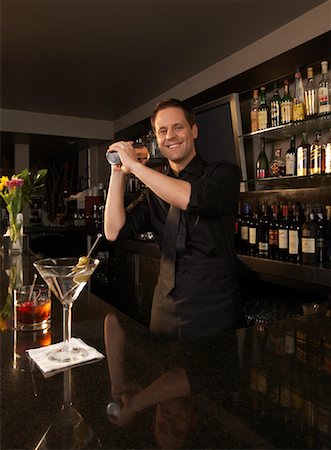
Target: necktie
168 256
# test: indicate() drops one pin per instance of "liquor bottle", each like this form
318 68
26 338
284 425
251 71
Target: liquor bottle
299 97
308 237
328 232
290 158
294 236
244 230
303 156
252 232
320 235
327 155
263 110
286 106
262 164
275 108
262 232
283 228
317 155
277 165
254 111
273 233
310 94
324 93
237 229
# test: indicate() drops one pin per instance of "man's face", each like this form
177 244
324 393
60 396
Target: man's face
175 136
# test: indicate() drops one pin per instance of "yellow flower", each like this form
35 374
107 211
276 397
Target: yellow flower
3 183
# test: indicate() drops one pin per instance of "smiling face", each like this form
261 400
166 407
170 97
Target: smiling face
175 137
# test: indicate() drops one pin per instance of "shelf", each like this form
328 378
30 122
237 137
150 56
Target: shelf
286 131
290 182
316 275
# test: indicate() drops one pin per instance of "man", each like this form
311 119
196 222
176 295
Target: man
195 233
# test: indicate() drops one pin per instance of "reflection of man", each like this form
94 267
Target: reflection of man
199 200
175 387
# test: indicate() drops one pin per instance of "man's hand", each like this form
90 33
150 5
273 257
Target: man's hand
127 154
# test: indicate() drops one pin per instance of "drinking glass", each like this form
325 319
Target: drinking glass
66 278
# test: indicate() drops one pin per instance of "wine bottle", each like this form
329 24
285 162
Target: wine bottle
324 94
303 156
244 229
254 111
327 155
263 110
294 236
275 108
237 229
277 165
283 227
290 158
310 94
317 161
328 232
252 232
299 97
320 235
262 164
262 232
308 237
286 106
273 233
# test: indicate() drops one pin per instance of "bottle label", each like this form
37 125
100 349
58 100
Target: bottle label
308 245
328 158
298 112
260 173
252 236
275 114
244 232
254 121
324 106
286 112
290 164
263 119
301 162
316 160
273 237
263 248
283 239
293 242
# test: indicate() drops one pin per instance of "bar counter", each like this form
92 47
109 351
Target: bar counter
258 387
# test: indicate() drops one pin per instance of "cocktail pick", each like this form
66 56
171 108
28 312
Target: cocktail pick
32 286
99 235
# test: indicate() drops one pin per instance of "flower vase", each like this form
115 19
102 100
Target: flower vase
16 234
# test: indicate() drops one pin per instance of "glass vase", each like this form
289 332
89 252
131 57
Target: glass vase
16 234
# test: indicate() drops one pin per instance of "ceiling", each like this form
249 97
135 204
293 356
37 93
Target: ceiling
103 58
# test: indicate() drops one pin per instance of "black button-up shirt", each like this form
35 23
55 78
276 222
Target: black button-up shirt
210 216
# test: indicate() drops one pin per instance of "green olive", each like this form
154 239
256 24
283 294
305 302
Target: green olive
83 261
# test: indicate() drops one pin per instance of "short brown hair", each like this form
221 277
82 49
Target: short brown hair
173 103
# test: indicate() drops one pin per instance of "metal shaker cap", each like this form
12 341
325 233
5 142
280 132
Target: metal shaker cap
113 158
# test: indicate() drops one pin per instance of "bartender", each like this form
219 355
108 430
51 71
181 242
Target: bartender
191 211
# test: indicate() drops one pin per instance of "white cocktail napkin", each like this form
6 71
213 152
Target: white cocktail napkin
39 356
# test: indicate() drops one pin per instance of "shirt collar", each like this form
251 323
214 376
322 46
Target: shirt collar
194 167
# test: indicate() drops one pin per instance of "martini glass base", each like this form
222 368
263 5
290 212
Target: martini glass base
67 355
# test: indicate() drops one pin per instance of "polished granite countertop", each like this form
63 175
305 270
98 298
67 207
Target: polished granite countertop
261 387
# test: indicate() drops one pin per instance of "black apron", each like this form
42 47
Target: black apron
205 301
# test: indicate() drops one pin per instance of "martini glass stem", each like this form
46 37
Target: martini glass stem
67 325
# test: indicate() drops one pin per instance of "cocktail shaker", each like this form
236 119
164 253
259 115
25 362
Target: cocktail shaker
113 158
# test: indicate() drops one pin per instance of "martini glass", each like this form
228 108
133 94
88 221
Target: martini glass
66 278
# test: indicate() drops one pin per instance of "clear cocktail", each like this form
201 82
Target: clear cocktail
66 277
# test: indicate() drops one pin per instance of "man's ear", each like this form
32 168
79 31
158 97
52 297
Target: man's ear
195 131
